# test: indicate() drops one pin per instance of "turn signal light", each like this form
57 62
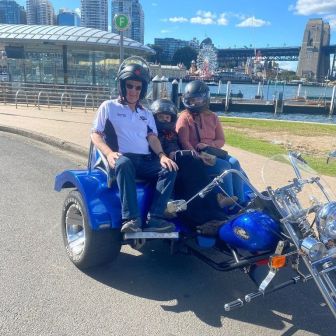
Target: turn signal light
278 261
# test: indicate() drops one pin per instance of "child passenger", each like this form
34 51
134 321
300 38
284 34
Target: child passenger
192 176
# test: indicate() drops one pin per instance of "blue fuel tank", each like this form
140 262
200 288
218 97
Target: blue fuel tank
253 231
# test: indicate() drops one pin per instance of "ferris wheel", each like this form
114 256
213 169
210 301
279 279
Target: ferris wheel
207 61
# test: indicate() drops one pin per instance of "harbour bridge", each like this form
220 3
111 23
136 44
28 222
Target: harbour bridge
313 55
266 54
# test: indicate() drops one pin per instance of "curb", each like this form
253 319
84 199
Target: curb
58 143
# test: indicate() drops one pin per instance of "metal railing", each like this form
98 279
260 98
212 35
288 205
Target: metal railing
54 95
66 94
39 96
17 94
85 101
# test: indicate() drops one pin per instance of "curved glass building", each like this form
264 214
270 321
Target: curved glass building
63 54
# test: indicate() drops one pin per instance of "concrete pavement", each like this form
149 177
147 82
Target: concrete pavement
70 130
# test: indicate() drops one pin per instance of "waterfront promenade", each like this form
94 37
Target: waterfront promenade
70 131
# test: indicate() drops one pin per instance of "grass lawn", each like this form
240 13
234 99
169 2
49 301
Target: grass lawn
237 136
296 128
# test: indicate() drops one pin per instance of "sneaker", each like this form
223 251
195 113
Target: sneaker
210 228
131 225
224 201
156 224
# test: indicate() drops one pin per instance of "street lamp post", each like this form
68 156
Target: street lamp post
122 22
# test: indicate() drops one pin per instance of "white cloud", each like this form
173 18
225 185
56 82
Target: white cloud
332 21
311 7
78 11
222 20
206 14
253 22
154 4
179 19
202 20
165 31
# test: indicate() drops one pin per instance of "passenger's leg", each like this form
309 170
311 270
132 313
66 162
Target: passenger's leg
164 186
192 177
125 176
217 169
237 182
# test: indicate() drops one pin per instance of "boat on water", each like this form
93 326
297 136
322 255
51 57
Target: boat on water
211 83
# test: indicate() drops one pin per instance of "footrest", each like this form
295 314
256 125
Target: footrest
151 235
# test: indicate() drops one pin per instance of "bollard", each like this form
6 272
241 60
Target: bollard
174 93
180 86
156 87
299 90
278 107
332 103
227 98
164 89
258 96
219 87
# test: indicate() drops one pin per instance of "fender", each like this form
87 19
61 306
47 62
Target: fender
102 203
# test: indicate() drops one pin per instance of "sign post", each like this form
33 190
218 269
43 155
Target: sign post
122 22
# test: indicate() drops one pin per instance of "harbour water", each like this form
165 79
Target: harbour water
270 91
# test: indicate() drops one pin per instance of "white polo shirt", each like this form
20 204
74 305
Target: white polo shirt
131 127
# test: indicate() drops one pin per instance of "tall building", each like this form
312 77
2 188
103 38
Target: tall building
40 12
169 46
134 10
314 62
94 14
68 18
12 13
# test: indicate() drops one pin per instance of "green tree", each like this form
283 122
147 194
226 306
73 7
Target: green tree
158 57
184 55
287 75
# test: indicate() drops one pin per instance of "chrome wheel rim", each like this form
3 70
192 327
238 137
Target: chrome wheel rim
75 231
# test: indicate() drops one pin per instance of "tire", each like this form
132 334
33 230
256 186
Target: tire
85 247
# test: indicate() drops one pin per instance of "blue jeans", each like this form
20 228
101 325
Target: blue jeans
131 166
232 183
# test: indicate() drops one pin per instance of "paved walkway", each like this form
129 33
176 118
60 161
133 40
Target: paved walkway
70 130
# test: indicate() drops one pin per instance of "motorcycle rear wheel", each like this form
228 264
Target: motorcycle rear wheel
85 247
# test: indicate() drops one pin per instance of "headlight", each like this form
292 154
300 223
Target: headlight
313 248
326 220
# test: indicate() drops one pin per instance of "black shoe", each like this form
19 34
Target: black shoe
210 228
156 224
132 225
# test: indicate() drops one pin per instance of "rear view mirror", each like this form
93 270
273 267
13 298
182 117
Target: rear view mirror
331 156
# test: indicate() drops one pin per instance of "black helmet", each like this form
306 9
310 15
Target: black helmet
135 72
165 106
196 96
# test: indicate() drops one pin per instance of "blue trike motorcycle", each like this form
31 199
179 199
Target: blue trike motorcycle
290 224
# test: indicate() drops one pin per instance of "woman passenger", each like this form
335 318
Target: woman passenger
198 128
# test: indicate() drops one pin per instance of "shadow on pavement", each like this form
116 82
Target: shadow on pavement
196 287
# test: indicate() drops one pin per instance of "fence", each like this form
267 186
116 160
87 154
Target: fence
64 96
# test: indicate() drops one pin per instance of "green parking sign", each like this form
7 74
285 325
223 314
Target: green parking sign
122 21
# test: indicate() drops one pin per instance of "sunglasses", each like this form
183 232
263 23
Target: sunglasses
131 86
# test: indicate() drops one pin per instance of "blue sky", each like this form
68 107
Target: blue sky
230 23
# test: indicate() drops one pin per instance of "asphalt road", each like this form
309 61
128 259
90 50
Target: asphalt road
149 293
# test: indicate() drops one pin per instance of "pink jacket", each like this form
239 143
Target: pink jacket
209 127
